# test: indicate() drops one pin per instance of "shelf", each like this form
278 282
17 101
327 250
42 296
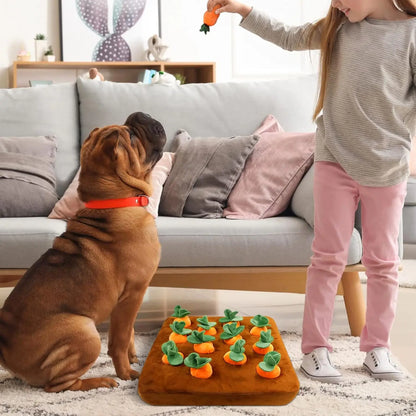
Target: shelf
57 72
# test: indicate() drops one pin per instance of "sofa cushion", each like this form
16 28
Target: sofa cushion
302 199
411 191
272 172
204 172
69 204
27 176
276 241
186 242
24 240
45 111
196 108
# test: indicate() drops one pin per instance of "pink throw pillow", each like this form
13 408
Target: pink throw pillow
272 172
70 203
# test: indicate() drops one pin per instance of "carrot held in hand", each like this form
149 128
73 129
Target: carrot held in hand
210 18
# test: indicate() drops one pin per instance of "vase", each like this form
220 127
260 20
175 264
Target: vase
40 48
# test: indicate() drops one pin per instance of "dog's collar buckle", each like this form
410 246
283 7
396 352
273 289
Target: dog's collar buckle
135 201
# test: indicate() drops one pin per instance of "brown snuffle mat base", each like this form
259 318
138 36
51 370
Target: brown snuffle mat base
162 384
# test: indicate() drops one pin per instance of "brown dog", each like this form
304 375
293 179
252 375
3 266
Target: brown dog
99 268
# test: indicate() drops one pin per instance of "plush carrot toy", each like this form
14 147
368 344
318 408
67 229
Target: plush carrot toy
202 343
236 354
210 18
179 332
206 326
260 323
264 345
200 367
171 355
268 368
181 314
232 333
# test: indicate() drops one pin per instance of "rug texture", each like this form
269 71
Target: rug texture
357 395
407 276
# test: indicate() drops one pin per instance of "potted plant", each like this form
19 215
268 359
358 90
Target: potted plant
49 55
40 46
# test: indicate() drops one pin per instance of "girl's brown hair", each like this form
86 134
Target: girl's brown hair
328 27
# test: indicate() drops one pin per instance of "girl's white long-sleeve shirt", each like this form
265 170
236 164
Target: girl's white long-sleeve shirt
369 113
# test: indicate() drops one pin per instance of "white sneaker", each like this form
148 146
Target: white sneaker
378 363
317 366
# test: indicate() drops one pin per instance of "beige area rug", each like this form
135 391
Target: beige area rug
407 276
357 395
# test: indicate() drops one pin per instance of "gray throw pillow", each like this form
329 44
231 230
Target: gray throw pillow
203 174
27 176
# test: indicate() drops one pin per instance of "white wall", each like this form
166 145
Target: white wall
239 54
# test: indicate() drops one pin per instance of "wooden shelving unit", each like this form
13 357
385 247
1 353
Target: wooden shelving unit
23 71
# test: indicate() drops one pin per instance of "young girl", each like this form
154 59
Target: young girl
368 102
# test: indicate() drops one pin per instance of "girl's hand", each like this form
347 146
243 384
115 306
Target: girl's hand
230 6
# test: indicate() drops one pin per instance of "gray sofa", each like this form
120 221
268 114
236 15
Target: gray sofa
268 255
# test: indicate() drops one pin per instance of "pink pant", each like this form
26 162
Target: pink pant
336 196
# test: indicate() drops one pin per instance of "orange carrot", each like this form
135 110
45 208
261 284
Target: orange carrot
263 351
231 322
211 331
255 331
268 374
203 372
165 358
178 338
228 360
204 348
232 340
185 319
210 18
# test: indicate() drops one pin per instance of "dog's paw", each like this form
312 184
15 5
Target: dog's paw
129 375
133 358
108 382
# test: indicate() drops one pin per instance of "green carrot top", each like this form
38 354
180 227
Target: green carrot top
231 330
180 312
259 321
204 323
237 350
194 360
270 360
230 316
179 328
199 337
266 339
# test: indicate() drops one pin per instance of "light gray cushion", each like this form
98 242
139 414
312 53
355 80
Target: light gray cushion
45 111
302 200
27 176
204 110
275 241
24 240
411 191
203 174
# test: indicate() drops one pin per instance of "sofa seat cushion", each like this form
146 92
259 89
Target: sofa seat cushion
411 191
23 240
276 241
186 242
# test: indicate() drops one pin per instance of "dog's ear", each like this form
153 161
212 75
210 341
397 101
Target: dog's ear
111 145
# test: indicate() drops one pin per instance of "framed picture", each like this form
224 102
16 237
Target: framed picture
107 30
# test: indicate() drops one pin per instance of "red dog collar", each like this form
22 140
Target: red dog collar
135 201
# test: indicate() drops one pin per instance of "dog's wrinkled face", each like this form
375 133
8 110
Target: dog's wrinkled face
116 161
